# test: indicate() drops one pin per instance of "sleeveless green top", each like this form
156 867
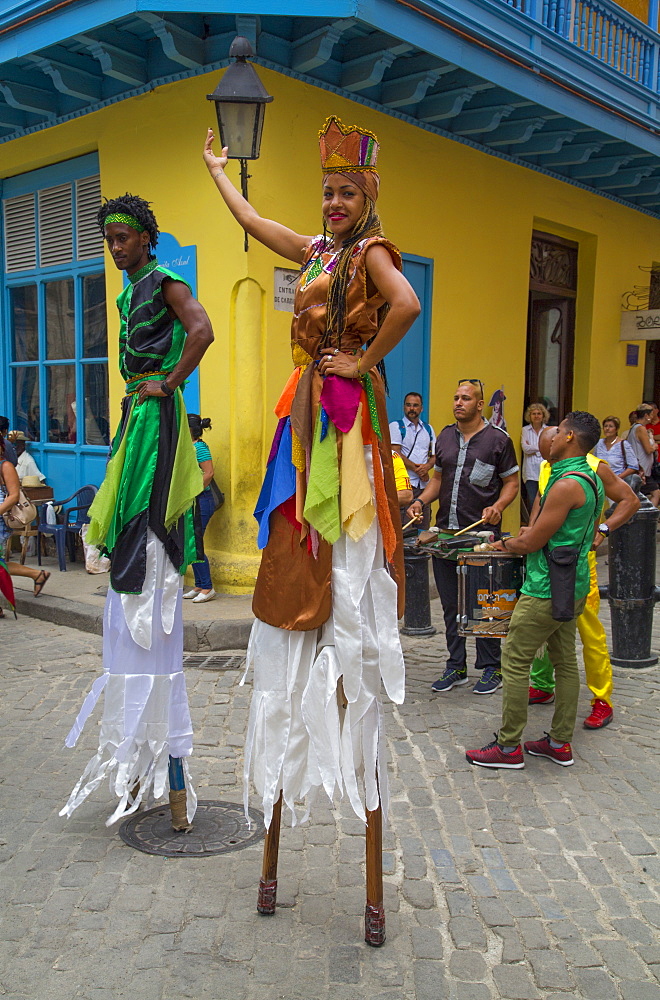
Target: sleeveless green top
150 340
577 530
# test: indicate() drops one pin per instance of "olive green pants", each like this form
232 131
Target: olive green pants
532 624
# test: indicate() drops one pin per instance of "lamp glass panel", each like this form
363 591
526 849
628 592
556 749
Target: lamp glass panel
238 128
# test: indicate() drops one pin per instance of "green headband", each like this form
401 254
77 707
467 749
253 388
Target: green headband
126 220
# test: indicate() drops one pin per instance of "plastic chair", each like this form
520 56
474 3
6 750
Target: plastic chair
73 520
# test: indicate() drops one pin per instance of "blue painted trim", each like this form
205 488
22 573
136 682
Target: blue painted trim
434 130
51 176
571 107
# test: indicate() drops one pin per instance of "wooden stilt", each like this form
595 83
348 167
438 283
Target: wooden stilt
374 913
268 881
178 797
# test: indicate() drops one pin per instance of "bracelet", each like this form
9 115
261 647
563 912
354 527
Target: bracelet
358 368
164 387
504 544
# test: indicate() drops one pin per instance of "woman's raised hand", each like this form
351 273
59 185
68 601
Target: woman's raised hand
212 161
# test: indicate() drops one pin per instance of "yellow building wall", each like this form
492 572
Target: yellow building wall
640 8
473 214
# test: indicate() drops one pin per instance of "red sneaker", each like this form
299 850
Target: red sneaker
538 697
492 755
542 748
601 715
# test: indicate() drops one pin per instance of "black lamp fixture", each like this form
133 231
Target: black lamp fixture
240 103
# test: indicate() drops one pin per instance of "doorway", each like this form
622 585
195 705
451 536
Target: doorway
551 324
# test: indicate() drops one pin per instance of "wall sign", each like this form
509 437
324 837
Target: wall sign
284 288
632 355
640 324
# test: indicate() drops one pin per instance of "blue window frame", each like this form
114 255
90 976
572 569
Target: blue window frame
408 364
53 310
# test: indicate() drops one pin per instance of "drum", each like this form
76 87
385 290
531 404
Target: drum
489 586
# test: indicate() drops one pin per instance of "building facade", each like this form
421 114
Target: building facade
520 179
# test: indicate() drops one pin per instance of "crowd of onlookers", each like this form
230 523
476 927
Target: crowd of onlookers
631 452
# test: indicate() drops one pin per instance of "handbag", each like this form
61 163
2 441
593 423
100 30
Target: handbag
21 514
217 494
562 568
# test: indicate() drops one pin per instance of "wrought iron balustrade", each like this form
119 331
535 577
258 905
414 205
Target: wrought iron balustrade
602 30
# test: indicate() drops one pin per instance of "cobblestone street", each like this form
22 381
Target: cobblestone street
518 885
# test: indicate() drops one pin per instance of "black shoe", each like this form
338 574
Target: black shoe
490 681
450 679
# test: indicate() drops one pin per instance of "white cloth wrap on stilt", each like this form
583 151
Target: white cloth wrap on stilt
299 738
145 714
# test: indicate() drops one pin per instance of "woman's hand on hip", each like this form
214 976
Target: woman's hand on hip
335 362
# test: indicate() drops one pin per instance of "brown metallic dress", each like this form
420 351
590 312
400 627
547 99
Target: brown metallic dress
293 589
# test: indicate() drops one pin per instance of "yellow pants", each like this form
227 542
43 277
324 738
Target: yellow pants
597 665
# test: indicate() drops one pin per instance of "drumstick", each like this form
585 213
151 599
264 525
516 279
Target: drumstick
417 517
469 527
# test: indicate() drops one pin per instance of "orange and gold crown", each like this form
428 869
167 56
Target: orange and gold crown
346 148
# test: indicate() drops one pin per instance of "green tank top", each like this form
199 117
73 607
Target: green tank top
576 530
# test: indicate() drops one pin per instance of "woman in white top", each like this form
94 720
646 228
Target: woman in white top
618 453
537 416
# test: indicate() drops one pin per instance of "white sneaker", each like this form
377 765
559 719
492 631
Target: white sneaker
190 594
201 597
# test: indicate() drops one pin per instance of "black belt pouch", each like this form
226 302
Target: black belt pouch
562 566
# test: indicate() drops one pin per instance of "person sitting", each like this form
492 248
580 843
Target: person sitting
9 491
25 463
612 449
646 450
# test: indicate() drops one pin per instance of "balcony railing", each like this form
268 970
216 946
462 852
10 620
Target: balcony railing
613 37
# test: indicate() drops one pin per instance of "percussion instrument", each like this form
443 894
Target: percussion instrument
489 585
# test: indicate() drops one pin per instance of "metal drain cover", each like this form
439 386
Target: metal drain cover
211 661
218 828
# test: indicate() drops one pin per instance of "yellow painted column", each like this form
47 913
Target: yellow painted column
234 567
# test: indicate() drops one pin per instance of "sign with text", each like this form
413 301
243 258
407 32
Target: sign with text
640 324
284 289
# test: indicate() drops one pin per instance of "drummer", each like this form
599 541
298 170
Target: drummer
475 477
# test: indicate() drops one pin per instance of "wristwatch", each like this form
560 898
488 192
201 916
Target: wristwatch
604 529
164 387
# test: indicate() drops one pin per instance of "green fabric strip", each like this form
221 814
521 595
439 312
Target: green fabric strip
187 481
322 502
371 400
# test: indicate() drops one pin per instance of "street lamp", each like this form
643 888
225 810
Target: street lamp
240 103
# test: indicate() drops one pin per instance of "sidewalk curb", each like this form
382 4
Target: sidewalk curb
231 633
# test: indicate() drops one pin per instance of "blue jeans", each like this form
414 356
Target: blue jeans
202 570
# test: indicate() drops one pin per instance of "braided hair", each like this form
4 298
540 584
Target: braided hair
131 204
367 226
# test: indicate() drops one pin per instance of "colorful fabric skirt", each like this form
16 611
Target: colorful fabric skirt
316 718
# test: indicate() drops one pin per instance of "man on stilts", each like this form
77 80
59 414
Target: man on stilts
143 517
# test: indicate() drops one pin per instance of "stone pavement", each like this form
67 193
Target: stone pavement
541 884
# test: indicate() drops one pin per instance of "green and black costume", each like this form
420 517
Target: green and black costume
153 476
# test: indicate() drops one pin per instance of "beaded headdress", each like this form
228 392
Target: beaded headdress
350 150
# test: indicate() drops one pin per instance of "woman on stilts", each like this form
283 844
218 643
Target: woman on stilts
326 634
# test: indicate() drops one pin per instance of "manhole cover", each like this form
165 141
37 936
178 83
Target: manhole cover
211 661
218 827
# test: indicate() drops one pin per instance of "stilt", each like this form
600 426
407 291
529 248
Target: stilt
268 880
374 913
178 797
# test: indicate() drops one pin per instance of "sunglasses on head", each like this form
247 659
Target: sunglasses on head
472 381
